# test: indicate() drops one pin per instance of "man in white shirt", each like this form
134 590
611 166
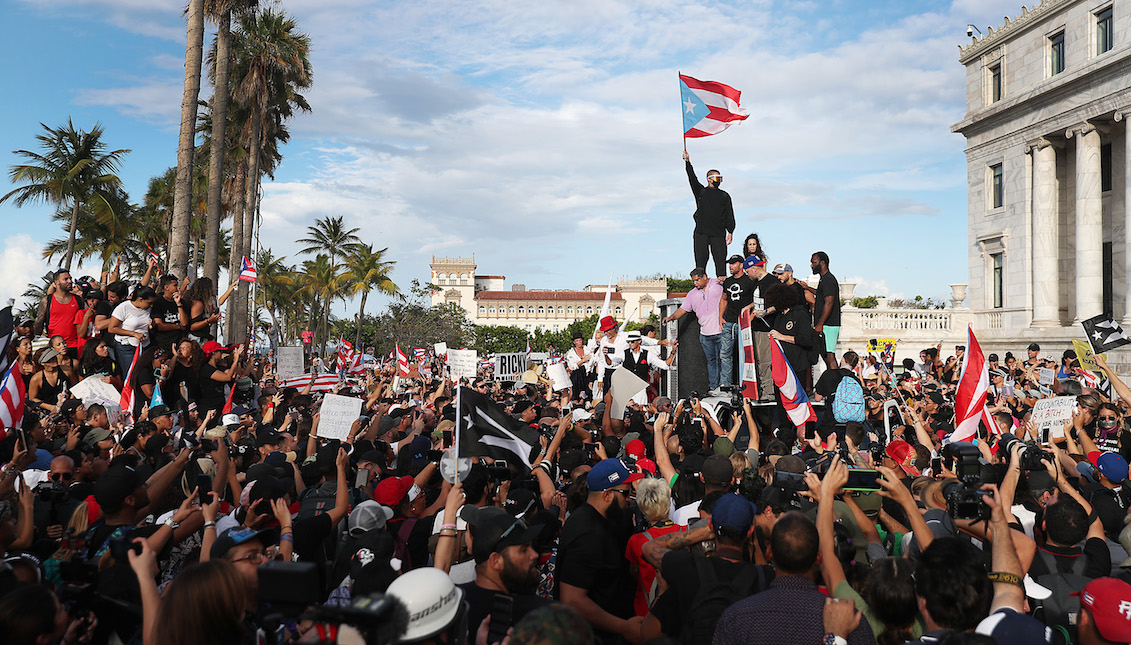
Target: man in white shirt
641 362
610 351
579 361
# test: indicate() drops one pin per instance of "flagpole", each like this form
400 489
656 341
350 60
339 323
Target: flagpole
456 431
678 75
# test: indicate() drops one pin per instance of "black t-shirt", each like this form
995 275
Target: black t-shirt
481 601
738 292
310 534
168 312
679 571
142 377
211 392
104 308
826 387
827 287
591 556
766 323
1111 507
171 388
1095 553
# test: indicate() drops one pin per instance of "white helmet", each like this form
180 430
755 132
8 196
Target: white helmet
434 604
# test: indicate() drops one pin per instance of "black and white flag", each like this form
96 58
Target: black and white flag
1104 333
7 333
486 430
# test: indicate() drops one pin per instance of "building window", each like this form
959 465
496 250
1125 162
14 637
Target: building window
492 310
618 311
569 310
561 311
521 310
1056 54
483 309
997 186
589 310
995 83
541 310
998 279
1105 38
1105 167
512 310
528 328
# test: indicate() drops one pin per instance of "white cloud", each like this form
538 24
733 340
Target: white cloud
20 264
156 101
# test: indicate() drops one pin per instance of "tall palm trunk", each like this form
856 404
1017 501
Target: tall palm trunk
252 189
71 237
182 197
237 243
360 317
219 145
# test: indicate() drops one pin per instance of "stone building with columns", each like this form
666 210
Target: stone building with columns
1048 95
487 301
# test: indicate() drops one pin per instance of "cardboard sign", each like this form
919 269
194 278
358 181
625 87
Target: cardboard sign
463 363
1084 355
558 374
1049 415
288 362
624 386
1048 377
441 349
337 416
508 367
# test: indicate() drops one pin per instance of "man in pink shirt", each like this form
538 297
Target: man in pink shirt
703 301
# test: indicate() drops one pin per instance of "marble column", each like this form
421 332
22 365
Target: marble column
1126 222
1089 224
1046 278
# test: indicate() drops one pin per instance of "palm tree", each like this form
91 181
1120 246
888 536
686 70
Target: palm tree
271 59
329 235
74 169
321 286
276 285
182 199
367 270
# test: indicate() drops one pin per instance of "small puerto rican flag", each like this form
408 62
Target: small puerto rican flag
247 270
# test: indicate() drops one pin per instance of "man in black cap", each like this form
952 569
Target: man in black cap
714 218
1033 350
738 290
505 564
527 411
23 329
125 498
717 474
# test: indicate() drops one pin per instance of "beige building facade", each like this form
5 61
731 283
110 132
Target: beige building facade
487 300
1048 98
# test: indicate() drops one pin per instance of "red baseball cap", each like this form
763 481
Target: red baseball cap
390 491
211 347
898 450
634 448
1109 601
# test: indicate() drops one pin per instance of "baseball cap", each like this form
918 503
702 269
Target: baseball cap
609 473
1033 347
936 398
238 535
635 448
898 450
94 435
367 516
733 511
1007 626
391 490
1107 599
159 410
1113 466
752 261
608 323
734 258
69 406
494 529
211 347
519 502
115 485
717 470
782 268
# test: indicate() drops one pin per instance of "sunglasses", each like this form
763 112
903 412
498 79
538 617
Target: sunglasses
62 477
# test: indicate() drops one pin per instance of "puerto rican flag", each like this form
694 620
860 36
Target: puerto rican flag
402 362
797 405
418 353
11 399
708 107
322 383
528 349
127 400
247 270
970 399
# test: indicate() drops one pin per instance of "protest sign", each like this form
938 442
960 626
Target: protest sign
337 416
1049 415
288 362
508 367
1084 355
558 374
1047 376
441 349
462 363
624 386
882 344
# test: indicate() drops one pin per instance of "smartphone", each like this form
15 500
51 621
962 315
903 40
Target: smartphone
609 350
791 481
447 437
501 612
204 488
936 466
362 479
434 456
863 479
589 447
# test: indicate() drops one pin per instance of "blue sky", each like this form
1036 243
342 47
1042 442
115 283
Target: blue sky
545 137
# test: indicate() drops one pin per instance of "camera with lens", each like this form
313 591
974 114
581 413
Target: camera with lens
51 492
963 499
1031 454
735 392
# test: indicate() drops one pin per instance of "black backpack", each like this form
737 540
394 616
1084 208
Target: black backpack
714 597
1061 608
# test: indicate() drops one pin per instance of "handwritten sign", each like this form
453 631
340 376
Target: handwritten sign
337 416
881 344
441 349
462 363
508 367
1049 415
289 362
557 373
1047 377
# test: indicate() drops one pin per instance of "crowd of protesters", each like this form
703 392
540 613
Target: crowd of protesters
212 511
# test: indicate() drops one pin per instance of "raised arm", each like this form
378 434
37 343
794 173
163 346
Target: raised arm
659 443
834 479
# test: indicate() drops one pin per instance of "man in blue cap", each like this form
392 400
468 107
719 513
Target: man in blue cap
700 588
592 572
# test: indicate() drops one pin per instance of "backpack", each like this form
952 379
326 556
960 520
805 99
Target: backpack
848 402
714 597
316 500
1060 609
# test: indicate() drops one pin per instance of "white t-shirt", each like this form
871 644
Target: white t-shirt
133 319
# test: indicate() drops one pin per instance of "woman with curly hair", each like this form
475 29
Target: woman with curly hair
204 308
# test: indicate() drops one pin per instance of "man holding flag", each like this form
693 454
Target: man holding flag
714 218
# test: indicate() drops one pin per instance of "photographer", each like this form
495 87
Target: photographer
53 502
